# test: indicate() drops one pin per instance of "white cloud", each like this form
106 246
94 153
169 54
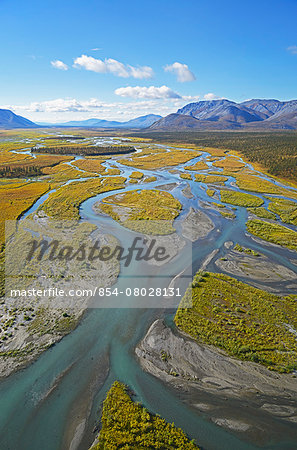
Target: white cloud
292 49
93 106
191 98
211 96
62 105
151 92
112 66
141 72
182 72
57 64
64 109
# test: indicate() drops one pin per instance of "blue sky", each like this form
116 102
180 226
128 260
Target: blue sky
136 57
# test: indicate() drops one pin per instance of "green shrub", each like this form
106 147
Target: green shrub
129 425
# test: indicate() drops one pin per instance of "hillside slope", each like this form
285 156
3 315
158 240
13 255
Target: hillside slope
10 120
138 122
227 115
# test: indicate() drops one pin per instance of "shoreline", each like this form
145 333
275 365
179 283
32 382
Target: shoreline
9 365
243 397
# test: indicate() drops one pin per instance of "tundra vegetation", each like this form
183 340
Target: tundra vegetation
286 209
248 251
64 203
200 178
210 192
227 214
154 160
112 172
19 163
262 213
223 210
244 321
149 179
215 179
151 211
186 176
90 165
273 232
65 172
129 425
137 175
240 198
200 165
275 152
230 164
17 197
250 182
57 322
210 179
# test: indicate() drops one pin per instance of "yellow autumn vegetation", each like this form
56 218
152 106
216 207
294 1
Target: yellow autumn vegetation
129 426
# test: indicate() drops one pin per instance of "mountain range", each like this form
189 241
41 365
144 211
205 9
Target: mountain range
227 115
10 120
221 114
138 122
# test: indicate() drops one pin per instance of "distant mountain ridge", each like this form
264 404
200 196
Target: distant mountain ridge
9 120
138 122
255 114
220 110
227 115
